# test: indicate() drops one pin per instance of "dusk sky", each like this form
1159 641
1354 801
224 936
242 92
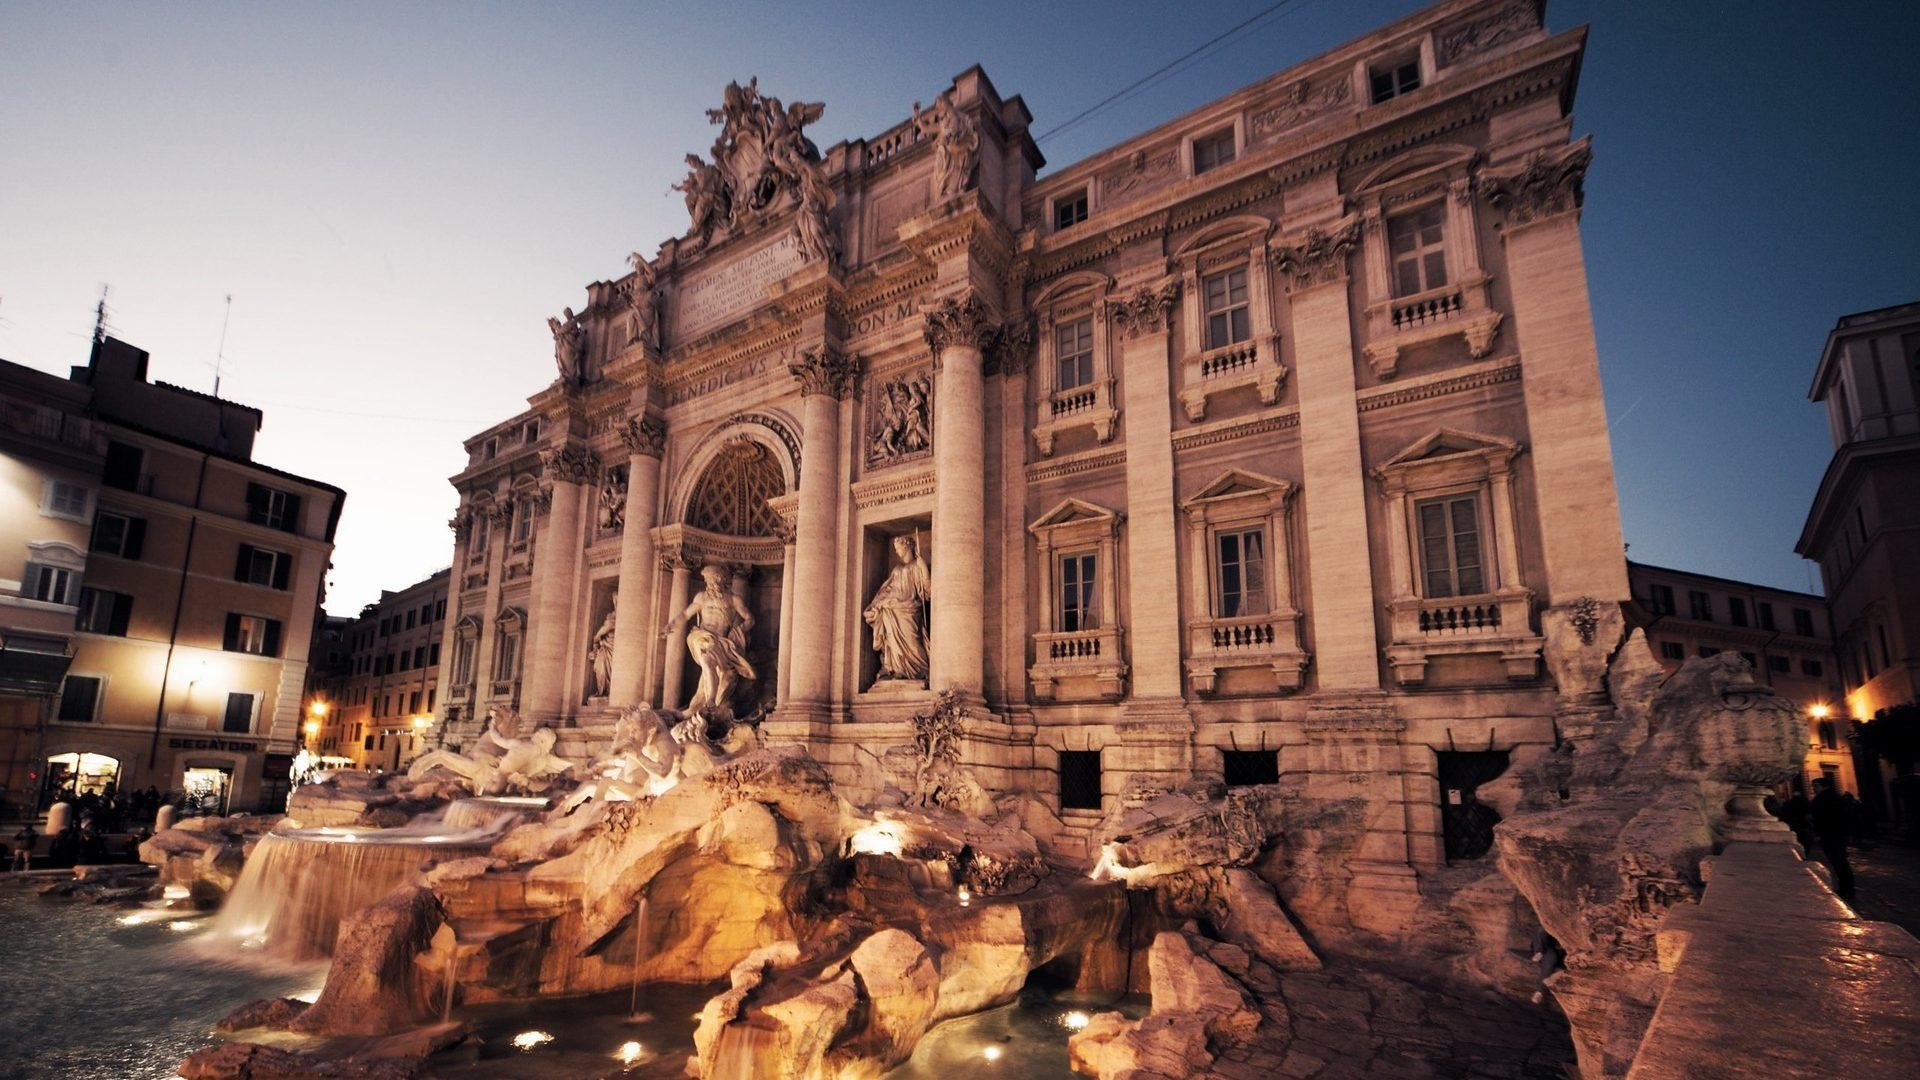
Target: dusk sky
397 196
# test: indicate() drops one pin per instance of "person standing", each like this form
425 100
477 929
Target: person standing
23 844
1832 821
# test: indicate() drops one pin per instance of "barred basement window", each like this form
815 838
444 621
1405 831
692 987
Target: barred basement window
1079 779
1246 768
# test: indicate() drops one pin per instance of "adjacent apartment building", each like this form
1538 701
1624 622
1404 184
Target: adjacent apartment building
1266 443
1864 526
379 711
188 577
1783 635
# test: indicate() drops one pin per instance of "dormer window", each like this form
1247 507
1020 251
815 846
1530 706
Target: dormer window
1213 150
1390 80
1070 209
1417 246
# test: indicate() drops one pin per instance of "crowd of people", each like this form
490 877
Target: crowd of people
106 825
1827 823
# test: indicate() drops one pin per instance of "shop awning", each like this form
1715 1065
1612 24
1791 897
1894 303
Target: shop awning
32 664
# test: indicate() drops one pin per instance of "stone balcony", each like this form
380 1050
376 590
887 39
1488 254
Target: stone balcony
1403 322
1254 363
1270 642
1079 665
1090 405
1497 622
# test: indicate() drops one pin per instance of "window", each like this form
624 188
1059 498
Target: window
1766 616
1708 650
405 657
1672 650
123 466
420 656
463 660
239 718
51 584
79 699
1389 81
413 702
1699 605
410 620
1736 611
522 519
493 448
1886 657
426 614
440 609
1803 622
252 634
103 612
482 527
503 658
1073 354
1829 736
63 500
1660 599
1246 768
1224 304
1812 669
273 508
532 434
117 534
1780 665
1242 563
1450 546
1079 779
433 654
1070 210
1866 657
431 692
1077 593
1416 243
1212 151
258 566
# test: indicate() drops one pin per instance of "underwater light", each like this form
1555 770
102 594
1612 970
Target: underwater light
991 1053
530 1040
630 1052
1076 1021
875 840
180 926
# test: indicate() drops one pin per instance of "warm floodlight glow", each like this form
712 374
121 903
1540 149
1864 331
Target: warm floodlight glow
991 1053
1820 712
312 728
1076 1021
176 892
422 723
630 1052
876 839
318 709
180 926
966 896
530 1040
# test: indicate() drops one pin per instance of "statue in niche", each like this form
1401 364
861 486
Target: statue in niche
902 421
569 347
643 303
956 145
895 613
613 500
718 644
600 656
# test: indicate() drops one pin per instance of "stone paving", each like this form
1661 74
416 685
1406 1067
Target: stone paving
1886 882
1341 1023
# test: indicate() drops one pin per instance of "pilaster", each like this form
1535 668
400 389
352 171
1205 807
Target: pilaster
958 331
1143 323
566 469
646 441
826 378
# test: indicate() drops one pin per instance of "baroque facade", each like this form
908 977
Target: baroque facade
1266 444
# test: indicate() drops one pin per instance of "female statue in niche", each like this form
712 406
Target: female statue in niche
895 614
718 643
600 656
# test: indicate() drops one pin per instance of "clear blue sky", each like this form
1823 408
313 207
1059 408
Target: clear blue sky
398 195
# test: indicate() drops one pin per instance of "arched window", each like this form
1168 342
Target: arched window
732 495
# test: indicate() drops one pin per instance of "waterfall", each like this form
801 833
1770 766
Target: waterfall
299 885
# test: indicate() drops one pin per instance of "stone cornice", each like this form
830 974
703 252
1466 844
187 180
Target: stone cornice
1226 431
880 490
1079 463
1491 373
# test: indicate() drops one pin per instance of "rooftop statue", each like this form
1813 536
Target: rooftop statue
762 164
956 145
570 347
643 302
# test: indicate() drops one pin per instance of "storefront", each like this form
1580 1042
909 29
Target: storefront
71 775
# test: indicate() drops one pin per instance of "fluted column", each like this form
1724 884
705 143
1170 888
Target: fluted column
673 663
556 565
646 439
958 331
826 378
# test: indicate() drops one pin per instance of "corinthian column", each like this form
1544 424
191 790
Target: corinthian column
556 567
958 331
826 379
646 439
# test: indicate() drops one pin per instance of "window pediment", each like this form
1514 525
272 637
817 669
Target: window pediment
1073 518
511 618
469 624
58 554
1239 491
1448 455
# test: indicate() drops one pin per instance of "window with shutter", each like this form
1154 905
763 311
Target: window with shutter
123 466
79 699
239 718
103 612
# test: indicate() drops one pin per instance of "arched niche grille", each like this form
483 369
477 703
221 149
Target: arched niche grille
731 498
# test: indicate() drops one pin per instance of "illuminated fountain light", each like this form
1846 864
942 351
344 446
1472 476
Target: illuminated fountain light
965 896
876 839
991 1053
630 1053
176 892
531 1040
181 926
1076 1021
1108 868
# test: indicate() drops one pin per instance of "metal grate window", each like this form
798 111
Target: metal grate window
1079 779
1246 768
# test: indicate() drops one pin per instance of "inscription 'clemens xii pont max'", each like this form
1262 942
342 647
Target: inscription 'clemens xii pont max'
712 296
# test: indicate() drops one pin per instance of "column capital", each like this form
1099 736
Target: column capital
1320 256
824 369
1147 312
568 463
645 436
1012 347
964 322
1547 184
461 523
677 558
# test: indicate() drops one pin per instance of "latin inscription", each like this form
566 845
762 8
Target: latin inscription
716 381
713 297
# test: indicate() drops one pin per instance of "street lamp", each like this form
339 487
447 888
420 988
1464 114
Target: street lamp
1820 712
316 712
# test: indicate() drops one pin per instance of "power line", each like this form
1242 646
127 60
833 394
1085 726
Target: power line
1168 69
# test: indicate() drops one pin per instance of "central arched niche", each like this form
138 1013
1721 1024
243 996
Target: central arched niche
731 499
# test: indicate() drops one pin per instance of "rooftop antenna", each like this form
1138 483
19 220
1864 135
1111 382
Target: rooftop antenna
220 354
100 317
